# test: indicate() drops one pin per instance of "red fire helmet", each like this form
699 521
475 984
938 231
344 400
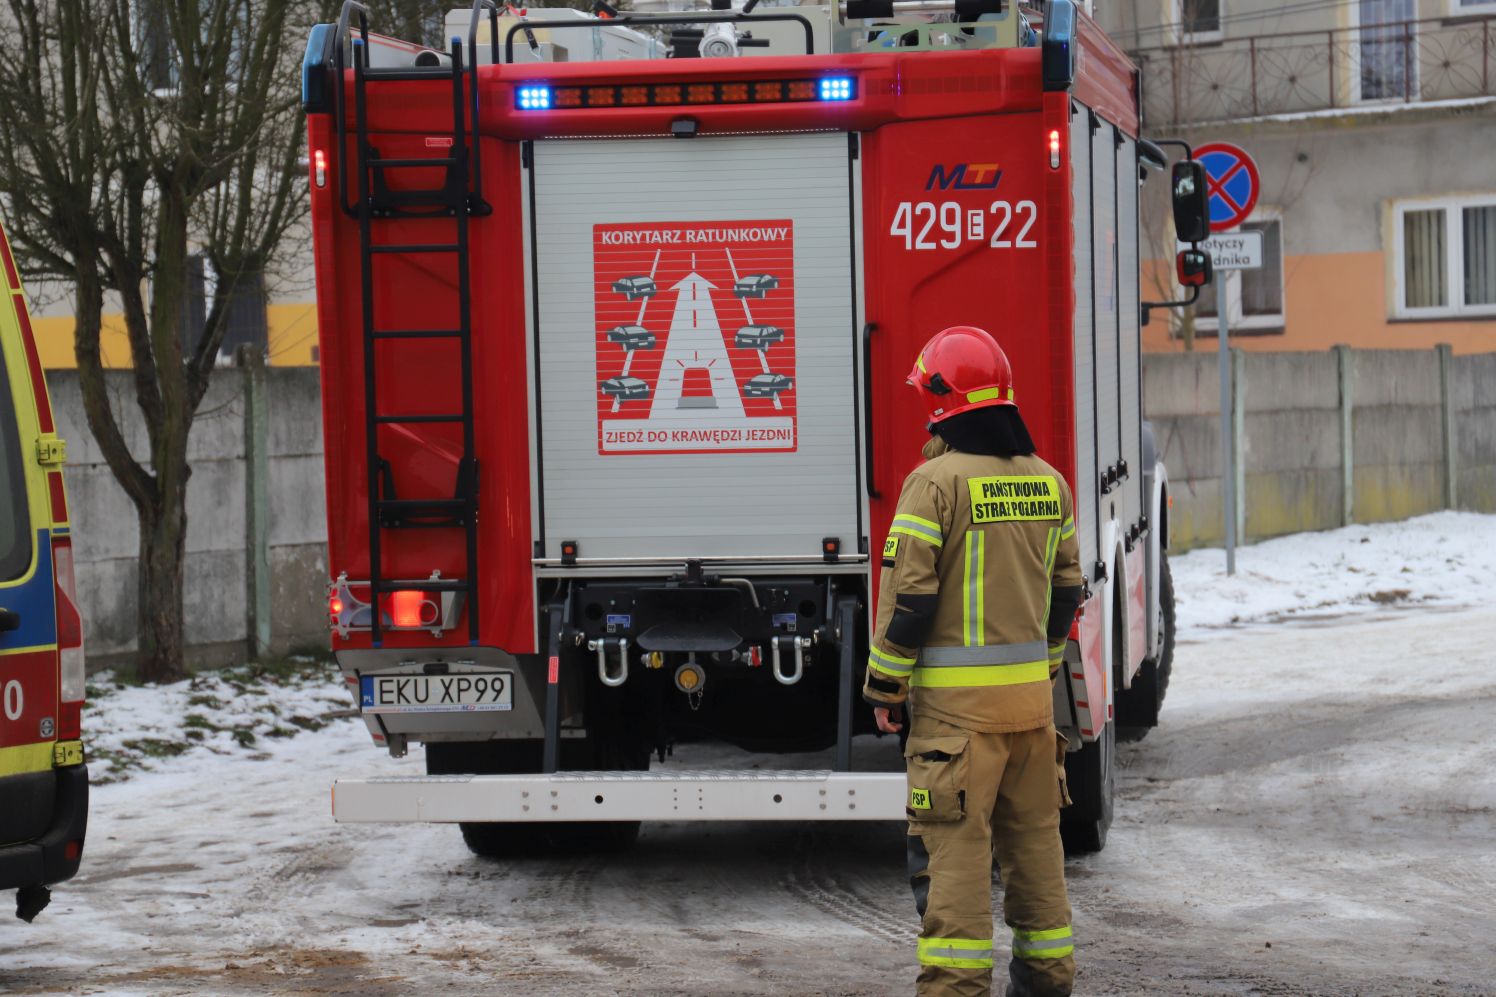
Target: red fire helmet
960 369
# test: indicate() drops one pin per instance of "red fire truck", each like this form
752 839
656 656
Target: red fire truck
615 314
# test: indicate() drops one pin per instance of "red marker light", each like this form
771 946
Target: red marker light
1054 149
336 605
70 658
319 168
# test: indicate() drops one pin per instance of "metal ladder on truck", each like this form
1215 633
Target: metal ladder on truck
377 202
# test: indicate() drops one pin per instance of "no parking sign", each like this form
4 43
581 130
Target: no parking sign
1232 182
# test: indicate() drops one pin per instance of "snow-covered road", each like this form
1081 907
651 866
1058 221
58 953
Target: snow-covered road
1316 815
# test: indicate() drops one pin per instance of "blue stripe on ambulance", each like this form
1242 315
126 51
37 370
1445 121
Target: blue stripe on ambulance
34 600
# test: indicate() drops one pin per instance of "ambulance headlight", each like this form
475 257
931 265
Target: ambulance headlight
836 88
533 98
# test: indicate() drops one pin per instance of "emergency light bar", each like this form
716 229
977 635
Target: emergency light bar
542 97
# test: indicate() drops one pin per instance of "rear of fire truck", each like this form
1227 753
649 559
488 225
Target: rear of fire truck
615 313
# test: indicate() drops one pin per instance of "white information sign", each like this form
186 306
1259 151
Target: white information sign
1234 250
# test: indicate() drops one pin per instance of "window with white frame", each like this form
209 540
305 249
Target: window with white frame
1198 20
1444 262
1254 298
1458 7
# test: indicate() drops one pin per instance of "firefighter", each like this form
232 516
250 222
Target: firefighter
981 581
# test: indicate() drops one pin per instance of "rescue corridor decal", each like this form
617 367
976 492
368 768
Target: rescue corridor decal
695 336
1013 497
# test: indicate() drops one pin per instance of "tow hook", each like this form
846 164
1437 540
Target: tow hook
799 644
605 676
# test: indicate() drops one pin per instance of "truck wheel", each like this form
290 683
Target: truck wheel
1138 708
511 840
1090 774
507 841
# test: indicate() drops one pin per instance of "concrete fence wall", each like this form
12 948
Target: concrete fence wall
1324 439
224 536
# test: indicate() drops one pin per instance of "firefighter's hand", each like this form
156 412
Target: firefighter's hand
890 718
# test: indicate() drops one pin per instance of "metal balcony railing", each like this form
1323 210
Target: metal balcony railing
1297 72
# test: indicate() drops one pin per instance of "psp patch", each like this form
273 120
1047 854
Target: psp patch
919 799
891 547
1011 498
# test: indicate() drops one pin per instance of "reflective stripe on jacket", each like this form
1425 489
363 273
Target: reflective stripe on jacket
975 550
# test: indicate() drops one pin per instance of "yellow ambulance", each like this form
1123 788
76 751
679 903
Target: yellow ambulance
43 780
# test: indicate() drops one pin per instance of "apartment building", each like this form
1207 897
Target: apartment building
1373 123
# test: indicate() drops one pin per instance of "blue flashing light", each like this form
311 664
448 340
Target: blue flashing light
836 88
534 98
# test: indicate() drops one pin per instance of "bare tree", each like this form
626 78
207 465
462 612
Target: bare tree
140 132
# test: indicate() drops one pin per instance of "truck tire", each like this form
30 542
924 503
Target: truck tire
1138 708
1091 776
512 840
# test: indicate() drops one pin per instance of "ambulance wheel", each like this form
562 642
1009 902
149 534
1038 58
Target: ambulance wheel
1091 776
1138 708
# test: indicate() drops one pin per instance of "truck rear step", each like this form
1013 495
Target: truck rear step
707 794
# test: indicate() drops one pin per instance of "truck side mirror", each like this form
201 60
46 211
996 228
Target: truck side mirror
1193 267
1191 203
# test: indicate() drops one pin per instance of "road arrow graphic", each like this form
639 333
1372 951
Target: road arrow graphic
695 343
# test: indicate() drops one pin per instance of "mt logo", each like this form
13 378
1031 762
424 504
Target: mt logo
964 176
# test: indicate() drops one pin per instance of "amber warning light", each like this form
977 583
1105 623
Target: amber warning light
319 168
1054 149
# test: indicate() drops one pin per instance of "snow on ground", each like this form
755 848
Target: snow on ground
1314 816
1438 560
233 713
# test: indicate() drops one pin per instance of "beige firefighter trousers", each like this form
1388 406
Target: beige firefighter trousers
973 796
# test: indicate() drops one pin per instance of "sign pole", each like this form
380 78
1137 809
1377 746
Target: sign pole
1228 454
1232 185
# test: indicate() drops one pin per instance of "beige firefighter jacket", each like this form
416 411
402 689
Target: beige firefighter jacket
978 547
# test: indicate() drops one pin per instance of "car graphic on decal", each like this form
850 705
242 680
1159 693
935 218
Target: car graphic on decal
625 388
636 287
755 285
632 337
767 385
758 337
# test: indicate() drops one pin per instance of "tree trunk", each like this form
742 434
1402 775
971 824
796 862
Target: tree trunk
163 550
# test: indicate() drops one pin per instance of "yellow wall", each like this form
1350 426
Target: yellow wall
292 331
54 342
293 335
1334 298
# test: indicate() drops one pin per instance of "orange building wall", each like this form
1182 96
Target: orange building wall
1329 299
292 333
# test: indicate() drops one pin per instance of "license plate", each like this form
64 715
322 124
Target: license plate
469 692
